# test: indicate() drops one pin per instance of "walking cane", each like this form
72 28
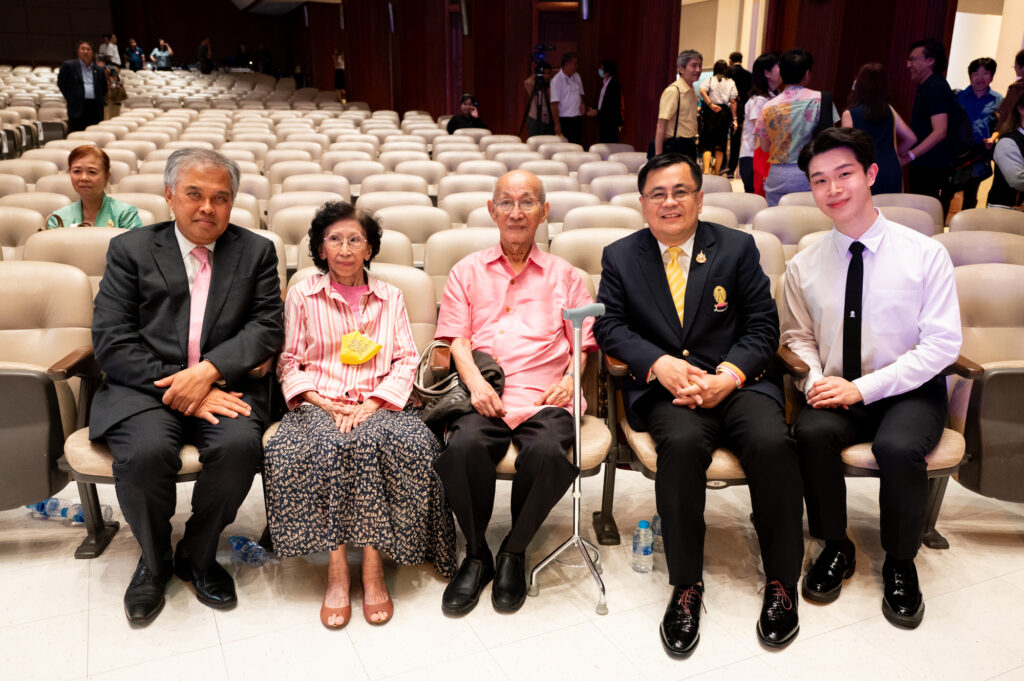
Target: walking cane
576 316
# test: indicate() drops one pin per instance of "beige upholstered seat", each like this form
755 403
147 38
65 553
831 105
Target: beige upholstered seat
329 159
393 182
16 226
484 167
584 247
561 202
151 183
545 167
772 258
243 218
492 151
461 182
586 172
444 249
722 216
292 224
430 171
601 216
574 159
452 158
790 223
808 239
549 149
371 203
461 204
29 171
559 183
607 187
724 470
988 219
634 160
515 159
416 222
971 248
284 169
57 184
275 156
744 206
488 140
14 184
946 454
712 184
356 171
536 141
606 149
928 204
914 218
390 159
279 249
43 203
84 248
47 314
318 182
315 199
798 199
629 200
56 156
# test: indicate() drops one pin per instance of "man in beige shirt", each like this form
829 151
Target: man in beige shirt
677 112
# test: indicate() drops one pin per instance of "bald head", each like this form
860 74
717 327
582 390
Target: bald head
523 178
518 206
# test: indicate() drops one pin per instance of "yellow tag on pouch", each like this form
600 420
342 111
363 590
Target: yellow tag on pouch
357 348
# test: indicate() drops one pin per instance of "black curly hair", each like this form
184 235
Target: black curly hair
335 211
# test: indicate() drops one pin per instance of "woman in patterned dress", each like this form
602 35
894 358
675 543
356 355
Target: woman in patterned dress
350 464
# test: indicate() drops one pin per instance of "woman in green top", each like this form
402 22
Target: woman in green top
89 168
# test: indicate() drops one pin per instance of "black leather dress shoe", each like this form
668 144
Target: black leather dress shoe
508 593
680 627
779 622
214 586
463 592
824 580
902 603
144 597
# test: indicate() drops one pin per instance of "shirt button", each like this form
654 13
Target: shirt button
508 309
501 331
512 281
686 353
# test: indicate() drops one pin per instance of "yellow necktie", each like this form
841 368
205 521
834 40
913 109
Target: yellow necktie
676 280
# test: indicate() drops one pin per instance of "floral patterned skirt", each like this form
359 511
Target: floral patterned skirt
374 486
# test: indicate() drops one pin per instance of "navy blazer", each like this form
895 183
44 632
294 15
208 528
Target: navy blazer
141 319
740 325
71 85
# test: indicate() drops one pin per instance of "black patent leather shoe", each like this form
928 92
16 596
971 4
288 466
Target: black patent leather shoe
680 627
779 622
902 603
508 593
463 592
144 597
214 586
824 580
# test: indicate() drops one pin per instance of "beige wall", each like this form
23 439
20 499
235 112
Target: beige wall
698 22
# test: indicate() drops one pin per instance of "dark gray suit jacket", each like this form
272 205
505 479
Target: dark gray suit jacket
69 80
640 323
141 319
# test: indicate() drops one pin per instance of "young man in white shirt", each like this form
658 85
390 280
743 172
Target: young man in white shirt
567 107
872 308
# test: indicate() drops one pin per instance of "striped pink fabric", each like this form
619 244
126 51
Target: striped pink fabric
316 317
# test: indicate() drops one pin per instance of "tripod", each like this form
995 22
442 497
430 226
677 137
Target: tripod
540 95
576 317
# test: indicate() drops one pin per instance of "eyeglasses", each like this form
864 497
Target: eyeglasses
354 242
679 194
525 205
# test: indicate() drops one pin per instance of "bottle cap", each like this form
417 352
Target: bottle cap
643 524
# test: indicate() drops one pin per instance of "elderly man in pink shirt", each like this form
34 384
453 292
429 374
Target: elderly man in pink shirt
507 302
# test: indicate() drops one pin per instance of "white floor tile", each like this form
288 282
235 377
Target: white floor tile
476 666
206 664
43 591
53 649
306 651
580 651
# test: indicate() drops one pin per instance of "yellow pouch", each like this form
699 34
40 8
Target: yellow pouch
357 348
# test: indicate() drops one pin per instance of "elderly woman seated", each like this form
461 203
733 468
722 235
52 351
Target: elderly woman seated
350 464
89 168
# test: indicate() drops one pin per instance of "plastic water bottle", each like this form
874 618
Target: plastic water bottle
76 515
643 547
659 544
248 552
46 508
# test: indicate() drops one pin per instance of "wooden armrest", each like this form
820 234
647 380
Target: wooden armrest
615 367
964 367
79 362
792 363
262 369
440 360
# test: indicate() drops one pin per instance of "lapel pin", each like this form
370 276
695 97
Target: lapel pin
721 304
701 258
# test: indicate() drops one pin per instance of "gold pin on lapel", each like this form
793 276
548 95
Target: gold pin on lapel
701 258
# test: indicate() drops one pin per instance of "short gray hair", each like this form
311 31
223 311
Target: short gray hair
686 55
193 156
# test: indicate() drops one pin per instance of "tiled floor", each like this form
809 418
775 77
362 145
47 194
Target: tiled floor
61 618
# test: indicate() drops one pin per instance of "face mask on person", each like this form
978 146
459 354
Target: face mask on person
600 72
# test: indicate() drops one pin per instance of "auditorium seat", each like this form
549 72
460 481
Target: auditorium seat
314 150
56 184
150 183
30 171
587 172
14 184
488 140
600 217
454 184
549 149
482 167
628 199
56 156
790 223
606 149
318 182
561 202
460 204
416 222
356 171
975 248
444 249
607 187
634 160
546 167
715 183
988 219
574 159
16 226
494 149
155 204
283 200
515 159
914 218
372 202
744 206
928 204
393 182
430 171
84 248
722 216
292 224
43 203
535 141
559 183
390 159
584 247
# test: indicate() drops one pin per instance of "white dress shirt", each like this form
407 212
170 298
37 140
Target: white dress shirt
911 317
567 92
192 263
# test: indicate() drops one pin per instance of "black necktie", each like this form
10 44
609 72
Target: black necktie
852 313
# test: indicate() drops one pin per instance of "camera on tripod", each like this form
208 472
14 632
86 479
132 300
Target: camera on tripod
538 57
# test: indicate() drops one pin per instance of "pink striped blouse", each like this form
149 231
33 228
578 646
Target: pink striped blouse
316 317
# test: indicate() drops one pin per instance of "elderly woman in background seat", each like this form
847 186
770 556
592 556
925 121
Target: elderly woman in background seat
349 464
89 168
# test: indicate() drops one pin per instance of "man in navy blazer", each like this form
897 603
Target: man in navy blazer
699 355
177 372
84 86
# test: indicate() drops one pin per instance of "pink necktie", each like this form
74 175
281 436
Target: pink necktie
200 291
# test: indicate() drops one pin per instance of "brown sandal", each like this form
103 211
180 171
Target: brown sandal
325 615
387 606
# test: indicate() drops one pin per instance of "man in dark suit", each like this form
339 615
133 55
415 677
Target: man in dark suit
84 86
609 103
185 310
688 308
744 81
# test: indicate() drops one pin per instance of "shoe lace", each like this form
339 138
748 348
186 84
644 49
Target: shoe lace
689 598
779 593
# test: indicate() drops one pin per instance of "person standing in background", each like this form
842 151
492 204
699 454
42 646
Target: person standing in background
134 56
871 112
744 81
678 108
205 56
609 103
339 74
161 56
765 85
84 86
930 161
980 102
567 107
